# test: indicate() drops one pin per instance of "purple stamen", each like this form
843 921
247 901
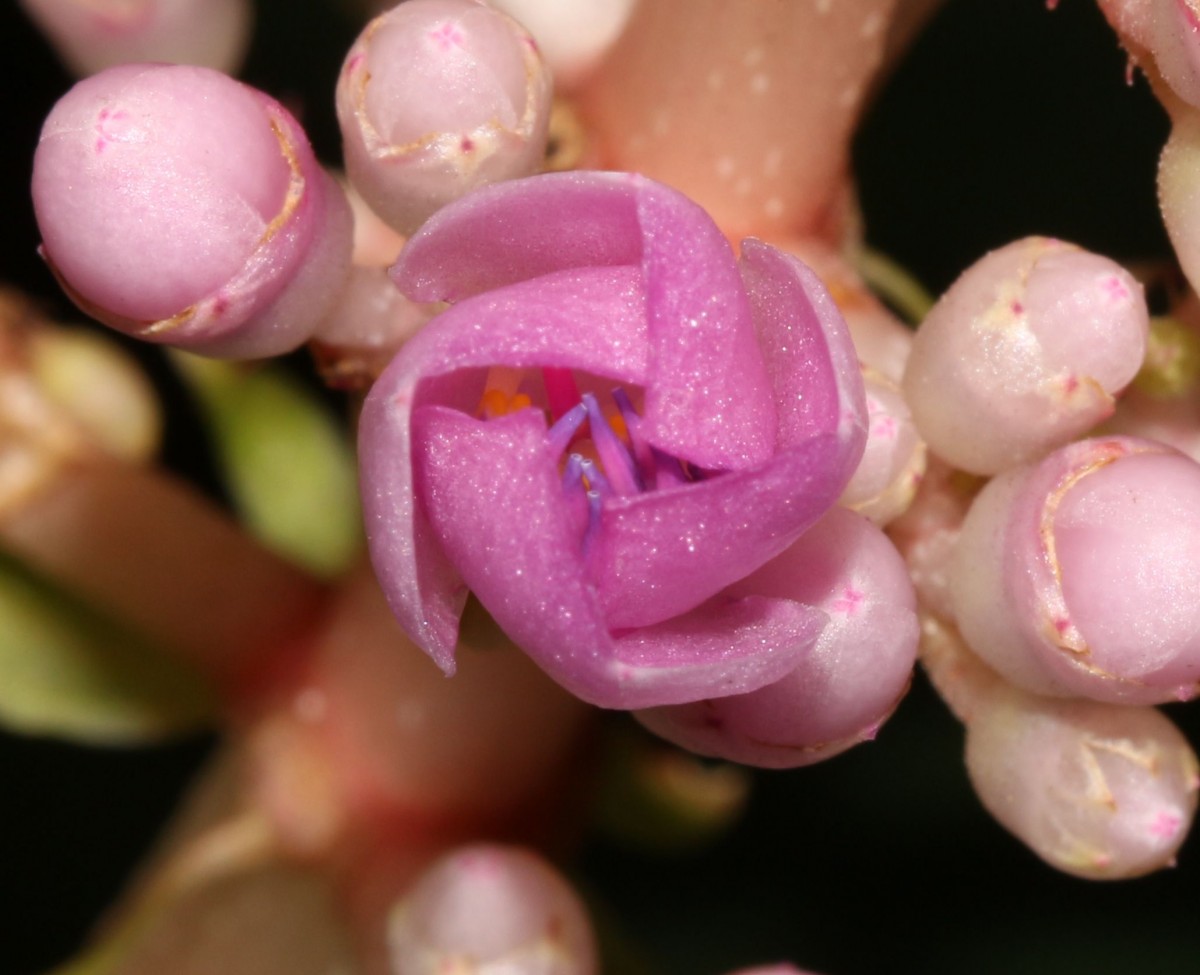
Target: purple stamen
561 392
583 486
642 452
618 462
560 435
594 476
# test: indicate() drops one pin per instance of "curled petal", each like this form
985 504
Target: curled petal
483 478
522 229
603 316
684 545
707 401
661 553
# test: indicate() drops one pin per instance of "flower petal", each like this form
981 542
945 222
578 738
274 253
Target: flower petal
662 553
810 355
680 546
708 401
492 489
724 646
522 229
587 319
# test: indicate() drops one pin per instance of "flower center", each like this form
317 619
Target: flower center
602 454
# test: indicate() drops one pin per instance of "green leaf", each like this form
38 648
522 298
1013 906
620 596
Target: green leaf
68 672
287 462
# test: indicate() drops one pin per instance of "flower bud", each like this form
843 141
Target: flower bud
91 36
436 98
573 36
851 680
1029 347
1179 192
491 910
180 206
885 481
1096 790
1077 576
1170 31
102 388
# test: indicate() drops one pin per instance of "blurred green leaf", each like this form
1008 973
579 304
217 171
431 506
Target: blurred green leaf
68 672
286 460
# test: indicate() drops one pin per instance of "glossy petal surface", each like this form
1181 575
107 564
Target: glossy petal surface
743 383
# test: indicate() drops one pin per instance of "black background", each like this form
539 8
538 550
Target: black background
1007 120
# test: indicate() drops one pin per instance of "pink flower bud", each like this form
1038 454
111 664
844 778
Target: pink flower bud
851 680
1179 192
180 206
1169 31
927 533
1023 353
885 481
1075 576
436 98
573 36
1096 790
91 36
491 910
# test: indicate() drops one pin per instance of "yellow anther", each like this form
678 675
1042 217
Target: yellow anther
617 421
496 403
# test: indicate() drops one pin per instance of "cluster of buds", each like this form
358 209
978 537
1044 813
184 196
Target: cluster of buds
633 433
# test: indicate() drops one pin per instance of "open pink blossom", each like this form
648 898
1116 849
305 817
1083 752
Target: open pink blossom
613 423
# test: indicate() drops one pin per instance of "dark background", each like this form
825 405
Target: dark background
1006 120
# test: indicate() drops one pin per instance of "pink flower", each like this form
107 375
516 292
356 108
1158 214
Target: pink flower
613 422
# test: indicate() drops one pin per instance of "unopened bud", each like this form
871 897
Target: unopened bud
1024 352
846 685
1096 790
180 206
436 98
491 909
90 36
1073 577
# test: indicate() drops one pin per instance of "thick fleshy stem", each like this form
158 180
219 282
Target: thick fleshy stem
155 554
747 110
135 542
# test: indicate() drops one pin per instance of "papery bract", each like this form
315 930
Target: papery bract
743 416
